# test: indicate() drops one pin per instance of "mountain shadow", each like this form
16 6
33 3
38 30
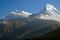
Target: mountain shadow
33 29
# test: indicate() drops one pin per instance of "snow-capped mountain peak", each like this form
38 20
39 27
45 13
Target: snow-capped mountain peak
51 10
50 13
50 7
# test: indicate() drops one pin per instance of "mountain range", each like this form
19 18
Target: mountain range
24 25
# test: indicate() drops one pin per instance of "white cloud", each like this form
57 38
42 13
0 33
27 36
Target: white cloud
23 14
2 17
56 17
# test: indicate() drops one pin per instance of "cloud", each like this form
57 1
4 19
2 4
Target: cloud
23 14
46 17
2 17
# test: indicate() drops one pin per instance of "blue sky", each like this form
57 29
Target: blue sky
33 6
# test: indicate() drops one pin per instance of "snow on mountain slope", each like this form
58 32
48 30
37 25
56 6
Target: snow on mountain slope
51 13
50 9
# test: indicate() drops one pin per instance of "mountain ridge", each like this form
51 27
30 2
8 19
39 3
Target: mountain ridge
19 26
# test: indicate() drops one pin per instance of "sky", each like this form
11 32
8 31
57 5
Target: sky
33 6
